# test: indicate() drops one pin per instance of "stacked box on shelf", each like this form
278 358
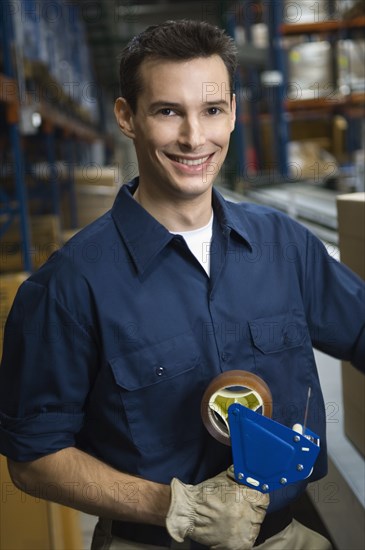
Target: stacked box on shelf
92 201
95 189
45 239
94 174
351 225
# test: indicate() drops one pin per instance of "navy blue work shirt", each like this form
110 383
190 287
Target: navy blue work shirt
112 343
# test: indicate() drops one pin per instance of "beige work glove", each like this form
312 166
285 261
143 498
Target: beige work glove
218 513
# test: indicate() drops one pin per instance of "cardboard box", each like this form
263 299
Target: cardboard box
29 523
9 285
92 174
68 234
353 386
45 236
92 201
351 226
308 160
351 231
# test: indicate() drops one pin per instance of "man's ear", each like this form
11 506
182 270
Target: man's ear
124 115
233 113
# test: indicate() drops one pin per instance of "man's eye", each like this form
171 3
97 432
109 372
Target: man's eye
214 110
167 112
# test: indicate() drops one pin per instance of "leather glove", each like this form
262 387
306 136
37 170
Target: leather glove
218 513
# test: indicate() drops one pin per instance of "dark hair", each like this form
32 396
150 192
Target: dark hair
173 40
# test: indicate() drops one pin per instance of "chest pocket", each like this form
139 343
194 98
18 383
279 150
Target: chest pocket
157 387
279 340
284 358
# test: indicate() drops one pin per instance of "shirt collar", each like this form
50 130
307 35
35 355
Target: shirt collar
145 237
231 218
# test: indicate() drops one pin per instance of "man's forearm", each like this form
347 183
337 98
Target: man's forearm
76 479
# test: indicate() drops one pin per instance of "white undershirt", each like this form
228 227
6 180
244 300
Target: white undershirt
198 241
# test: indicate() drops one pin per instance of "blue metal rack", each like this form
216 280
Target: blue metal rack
239 135
71 182
254 61
274 20
20 210
49 136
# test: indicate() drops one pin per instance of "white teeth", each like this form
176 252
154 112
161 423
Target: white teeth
191 162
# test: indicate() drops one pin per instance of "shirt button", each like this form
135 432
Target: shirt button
160 371
224 356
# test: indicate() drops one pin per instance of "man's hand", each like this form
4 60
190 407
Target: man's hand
218 513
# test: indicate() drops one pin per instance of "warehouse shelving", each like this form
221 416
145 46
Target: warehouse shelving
64 126
350 105
275 102
333 28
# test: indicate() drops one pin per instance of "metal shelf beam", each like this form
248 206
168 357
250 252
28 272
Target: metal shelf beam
322 27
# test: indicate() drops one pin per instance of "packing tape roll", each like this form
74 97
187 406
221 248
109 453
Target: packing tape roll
234 386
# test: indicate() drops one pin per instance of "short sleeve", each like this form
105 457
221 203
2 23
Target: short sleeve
48 365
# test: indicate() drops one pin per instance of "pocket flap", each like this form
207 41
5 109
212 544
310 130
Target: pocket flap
154 364
278 332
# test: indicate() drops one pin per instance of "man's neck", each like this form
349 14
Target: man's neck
177 215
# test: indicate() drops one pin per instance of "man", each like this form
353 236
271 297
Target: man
106 358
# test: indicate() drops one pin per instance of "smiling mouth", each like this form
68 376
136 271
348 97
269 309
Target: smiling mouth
190 162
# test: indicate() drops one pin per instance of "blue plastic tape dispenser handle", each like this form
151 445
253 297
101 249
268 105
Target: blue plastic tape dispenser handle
266 455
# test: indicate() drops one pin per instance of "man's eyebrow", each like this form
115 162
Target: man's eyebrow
165 104
171 105
219 102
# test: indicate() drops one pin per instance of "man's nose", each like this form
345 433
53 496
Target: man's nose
192 133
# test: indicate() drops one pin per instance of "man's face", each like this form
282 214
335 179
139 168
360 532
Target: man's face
182 125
